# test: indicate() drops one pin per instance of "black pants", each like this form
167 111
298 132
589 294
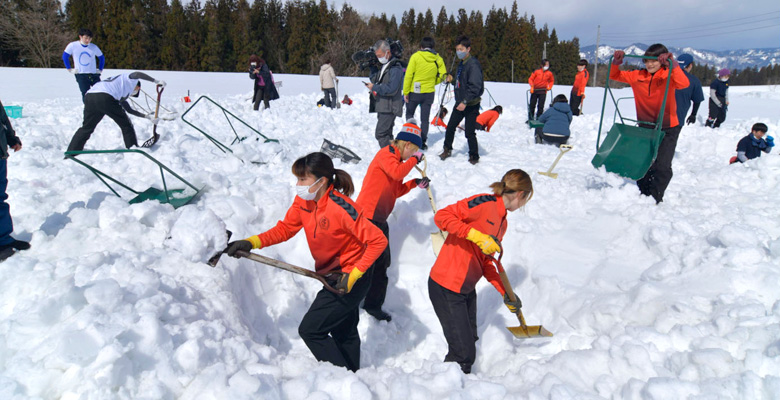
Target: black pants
261 94
717 114
330 97
96 106
457 314
470 113
85 82
575 103
659 175
329 328
541 137
425 101
378 290
537 101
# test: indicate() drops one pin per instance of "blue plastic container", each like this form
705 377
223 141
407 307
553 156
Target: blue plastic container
13 111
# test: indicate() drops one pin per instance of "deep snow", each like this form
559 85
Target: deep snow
114 300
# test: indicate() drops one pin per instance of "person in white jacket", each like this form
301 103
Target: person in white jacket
328 82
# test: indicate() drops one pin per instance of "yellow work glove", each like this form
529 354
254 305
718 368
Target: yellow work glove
347 281
513 306
485 242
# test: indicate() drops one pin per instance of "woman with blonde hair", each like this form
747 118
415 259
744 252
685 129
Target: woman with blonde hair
475 224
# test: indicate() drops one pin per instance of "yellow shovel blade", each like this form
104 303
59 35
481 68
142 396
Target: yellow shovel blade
553 175
530 331
437 240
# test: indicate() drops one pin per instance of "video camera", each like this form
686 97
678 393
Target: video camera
367 58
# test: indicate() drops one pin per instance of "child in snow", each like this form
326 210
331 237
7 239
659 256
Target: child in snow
486 120
382 185
84 53
556 123
541 81
474 224
648 85
439 119
751 146
578 90
342 241
346 100
8 245
109 98
692 94
719 99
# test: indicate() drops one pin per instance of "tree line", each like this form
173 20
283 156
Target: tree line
293 37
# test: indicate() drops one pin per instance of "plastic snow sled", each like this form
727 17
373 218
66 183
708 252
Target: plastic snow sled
174 197
629 149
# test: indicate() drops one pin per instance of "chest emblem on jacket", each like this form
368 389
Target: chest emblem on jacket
324 223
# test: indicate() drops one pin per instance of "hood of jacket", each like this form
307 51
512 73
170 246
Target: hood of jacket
325 67
428 55
562 107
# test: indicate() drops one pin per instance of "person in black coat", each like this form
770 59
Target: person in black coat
8 138
264 88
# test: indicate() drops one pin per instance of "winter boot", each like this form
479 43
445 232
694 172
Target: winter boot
379 314
473 160
445 154
709 122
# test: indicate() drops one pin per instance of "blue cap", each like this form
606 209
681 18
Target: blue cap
685 60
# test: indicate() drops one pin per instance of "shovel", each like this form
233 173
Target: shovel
523 331
281 265
564 149
437 238
155 136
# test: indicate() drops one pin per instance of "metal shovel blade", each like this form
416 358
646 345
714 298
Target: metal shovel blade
437 240
532 331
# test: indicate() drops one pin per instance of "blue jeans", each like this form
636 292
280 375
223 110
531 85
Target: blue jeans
6 224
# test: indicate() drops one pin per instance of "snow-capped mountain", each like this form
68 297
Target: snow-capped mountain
719 59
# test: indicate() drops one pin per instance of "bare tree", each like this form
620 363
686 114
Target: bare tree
36 28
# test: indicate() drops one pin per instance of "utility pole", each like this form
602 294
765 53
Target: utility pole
544 52
513 70
596 67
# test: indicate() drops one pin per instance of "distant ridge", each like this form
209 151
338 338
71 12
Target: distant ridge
719 59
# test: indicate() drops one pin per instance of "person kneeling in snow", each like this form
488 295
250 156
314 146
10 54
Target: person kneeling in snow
342 241
382 185
475 224
751 146
556 123
486 120
439 119
109 97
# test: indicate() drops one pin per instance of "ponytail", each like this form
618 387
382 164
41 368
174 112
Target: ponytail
320 165
515 180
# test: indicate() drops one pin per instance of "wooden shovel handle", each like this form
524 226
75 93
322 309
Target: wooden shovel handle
508 286
290 268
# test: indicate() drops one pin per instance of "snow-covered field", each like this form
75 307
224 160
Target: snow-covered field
114 300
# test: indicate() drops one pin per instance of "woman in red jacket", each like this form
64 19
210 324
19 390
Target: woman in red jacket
473 224
341 240
649 85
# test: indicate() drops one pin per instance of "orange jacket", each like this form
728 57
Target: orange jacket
338 234
461 263
580 81
649 92
487 119
384 183
438 122
541 79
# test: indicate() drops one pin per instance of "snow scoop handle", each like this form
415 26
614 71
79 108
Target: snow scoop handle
291 268
428 189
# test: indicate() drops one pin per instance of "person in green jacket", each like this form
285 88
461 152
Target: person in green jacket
426 69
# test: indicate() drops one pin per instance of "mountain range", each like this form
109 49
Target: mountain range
739 59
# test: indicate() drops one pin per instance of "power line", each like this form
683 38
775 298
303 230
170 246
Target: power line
680 37
686 30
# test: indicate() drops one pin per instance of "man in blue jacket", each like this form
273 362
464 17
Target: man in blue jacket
387 88
8 245
469 86
693 93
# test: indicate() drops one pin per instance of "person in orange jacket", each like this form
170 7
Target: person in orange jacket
649 85
578 90
439 119
346 100
474 225
486 120
343 243
382 185
541 81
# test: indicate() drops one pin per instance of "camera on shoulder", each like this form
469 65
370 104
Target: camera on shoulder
367 58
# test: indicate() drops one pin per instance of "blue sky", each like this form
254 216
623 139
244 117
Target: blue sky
702 24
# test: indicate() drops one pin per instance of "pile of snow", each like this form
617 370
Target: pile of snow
115 300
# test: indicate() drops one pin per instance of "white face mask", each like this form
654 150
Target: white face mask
545 68
303 191
383 60
724 79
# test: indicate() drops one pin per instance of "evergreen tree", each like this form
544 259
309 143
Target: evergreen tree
510 49
194 36
243 43
492 64
173 52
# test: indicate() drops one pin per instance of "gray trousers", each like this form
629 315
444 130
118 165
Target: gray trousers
384 128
